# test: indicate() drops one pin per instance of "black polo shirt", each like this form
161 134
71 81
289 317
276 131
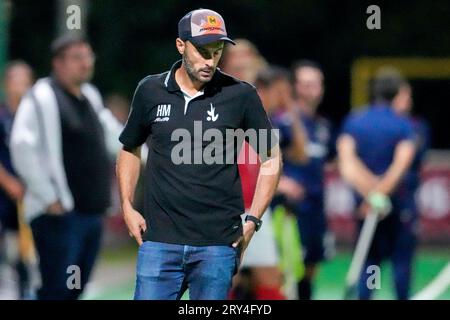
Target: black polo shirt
194 201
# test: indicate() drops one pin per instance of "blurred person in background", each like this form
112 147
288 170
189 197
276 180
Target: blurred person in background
243 61
304 172
62 143
259 277
276 93
376 148
18 78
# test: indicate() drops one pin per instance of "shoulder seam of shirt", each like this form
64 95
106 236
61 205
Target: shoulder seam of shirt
237 80
152 76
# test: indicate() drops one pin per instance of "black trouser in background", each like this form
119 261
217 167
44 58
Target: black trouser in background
71 239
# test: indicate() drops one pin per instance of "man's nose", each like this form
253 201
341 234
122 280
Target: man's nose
209 61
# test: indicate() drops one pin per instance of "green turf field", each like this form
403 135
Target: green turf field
330 282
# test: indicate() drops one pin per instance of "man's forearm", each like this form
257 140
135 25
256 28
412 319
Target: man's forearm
127 170
359 177
266 185
297 150
403 157
352 169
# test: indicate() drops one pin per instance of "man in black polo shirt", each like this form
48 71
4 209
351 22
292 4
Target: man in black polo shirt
191 235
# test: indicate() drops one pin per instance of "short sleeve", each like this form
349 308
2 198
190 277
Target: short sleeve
255 118
349 127
136 130
407 131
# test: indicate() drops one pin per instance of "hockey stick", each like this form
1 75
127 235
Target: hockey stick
360 254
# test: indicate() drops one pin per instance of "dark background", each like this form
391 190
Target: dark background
136 38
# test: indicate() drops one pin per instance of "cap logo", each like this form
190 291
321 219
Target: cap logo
212 20
203 24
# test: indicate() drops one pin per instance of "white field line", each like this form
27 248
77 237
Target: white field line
436 287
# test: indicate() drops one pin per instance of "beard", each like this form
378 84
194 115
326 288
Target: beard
194 74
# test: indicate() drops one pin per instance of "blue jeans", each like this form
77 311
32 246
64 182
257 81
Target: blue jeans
164 271
69 239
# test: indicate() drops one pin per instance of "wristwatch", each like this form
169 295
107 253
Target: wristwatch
255 220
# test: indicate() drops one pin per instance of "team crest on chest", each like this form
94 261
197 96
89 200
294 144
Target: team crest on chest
212 116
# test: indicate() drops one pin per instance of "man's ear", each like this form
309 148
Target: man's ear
181 45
